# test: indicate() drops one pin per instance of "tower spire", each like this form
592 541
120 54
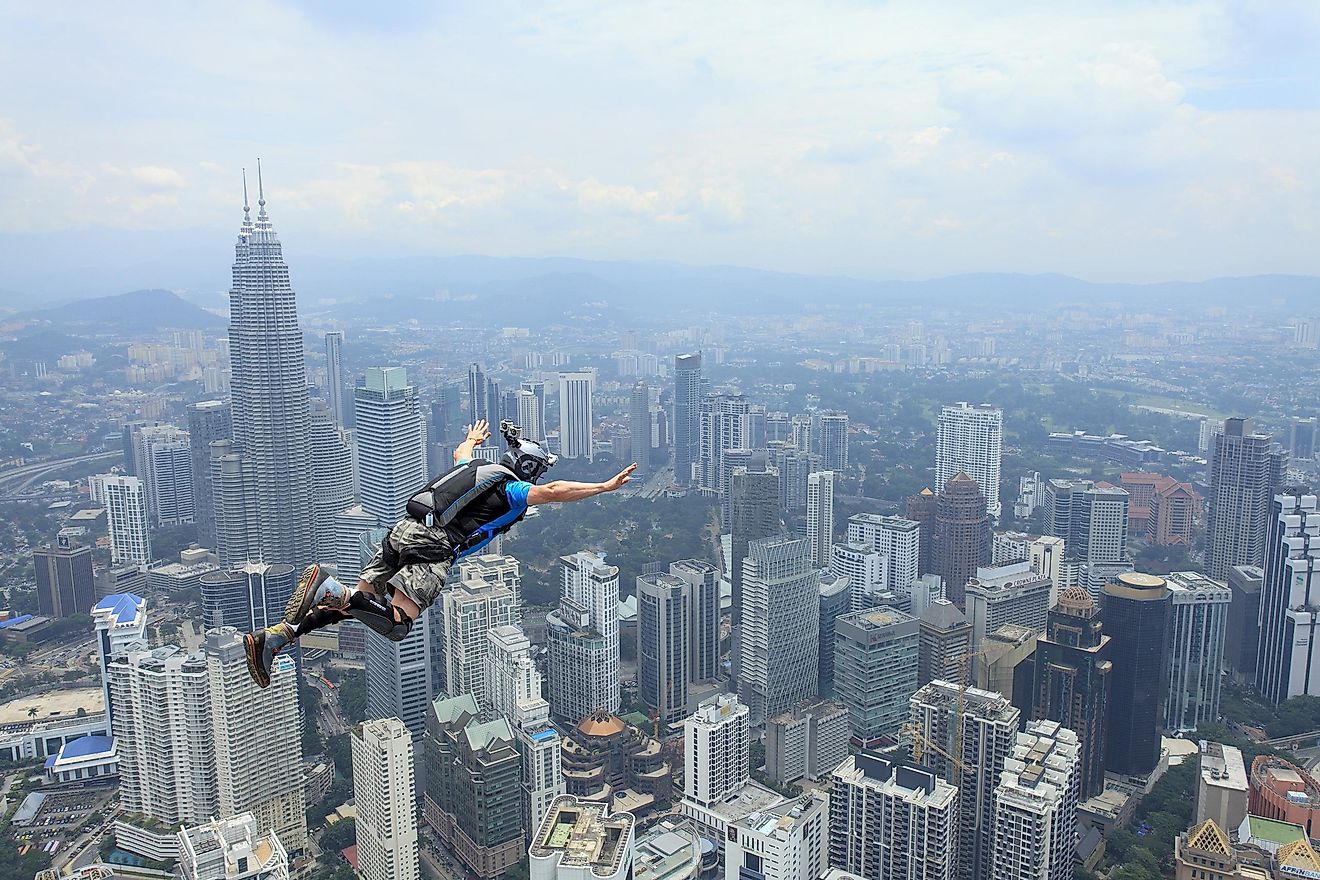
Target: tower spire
247 212
261 193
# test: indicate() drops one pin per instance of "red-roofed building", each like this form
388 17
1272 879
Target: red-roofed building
1161 510
350 855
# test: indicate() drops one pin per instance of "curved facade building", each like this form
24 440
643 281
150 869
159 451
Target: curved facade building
248 597
1283 791
1135 610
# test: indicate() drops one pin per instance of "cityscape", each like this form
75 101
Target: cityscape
994 576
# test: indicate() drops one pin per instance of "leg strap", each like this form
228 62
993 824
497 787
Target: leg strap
378 613
319 618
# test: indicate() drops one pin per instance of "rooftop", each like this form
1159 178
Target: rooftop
53 704
121 607
582 834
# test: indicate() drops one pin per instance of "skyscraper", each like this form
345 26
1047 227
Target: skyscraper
234 497
965 736
921 509
726 422
582 840
834 441
1246 470
391 441
1092 520
896 538
402 677
970 441
794 466
892 819
1286 659
1035 806
247 597
126 513
1198 624
716 747
583 639
334 375
121 621
478 408
788 841
820 516
1074 668
777 650
576 419
469 611
875 670
528 414
167 455
962 534
384 792
1013 593
1242 639
704 620
258 739
268 387
663 644
332 476
944 643
1135 608
208 421
65 583
753 514
1301 439
639 423
687 416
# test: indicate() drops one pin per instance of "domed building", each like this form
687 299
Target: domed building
607 760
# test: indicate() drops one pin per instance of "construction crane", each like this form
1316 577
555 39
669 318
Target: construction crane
920 742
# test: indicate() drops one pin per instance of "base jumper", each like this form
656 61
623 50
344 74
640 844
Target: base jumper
455 515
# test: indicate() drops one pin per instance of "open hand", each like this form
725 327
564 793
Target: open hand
478 432
621 478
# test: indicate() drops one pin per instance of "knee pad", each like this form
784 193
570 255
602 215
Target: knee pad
378 613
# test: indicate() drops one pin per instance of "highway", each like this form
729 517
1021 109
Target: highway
15 480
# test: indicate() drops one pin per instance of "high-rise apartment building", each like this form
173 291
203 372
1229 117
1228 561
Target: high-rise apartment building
162 457
121 622
834 441
965 735
492 568
962 534
334 375
970 441
875 669
808 740
944 643
896 538
1074 668
1092 520
1135 609
576 419
332 476
391 442
820 516
716 743
726 422
754 514
1014 593
687 416
1035 806
702 579
867 572
65 582
469 610
583 639
126 514
892 819
257 736
663 644
1246 471
777 648
231 849
1198 625
794 466
247 597
384 792
1286 659
268 389
789 841
208 421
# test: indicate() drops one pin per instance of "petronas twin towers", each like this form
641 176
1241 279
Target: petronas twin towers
272 422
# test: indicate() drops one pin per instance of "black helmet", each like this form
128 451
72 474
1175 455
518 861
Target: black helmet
528 459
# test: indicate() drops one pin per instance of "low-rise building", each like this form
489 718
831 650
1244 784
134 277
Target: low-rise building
1222 793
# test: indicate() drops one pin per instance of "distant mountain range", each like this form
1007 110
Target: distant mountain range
140 311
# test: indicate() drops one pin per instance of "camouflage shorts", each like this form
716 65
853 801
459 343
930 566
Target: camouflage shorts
413 558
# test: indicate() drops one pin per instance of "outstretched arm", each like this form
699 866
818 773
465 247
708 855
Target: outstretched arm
567 490
477 434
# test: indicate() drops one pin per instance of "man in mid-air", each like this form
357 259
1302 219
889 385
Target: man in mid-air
455 515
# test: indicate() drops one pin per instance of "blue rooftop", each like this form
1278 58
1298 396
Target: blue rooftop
86 745
14 620
122 606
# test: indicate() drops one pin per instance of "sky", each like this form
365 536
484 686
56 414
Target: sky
1132 141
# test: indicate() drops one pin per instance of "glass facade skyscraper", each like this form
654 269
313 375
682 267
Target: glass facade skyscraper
1135 608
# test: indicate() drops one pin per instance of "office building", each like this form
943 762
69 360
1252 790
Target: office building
1205 852
1301 439
120 620
580 840
806 741
1074 669
208 421
726 423
1286 660
527 414
834 598
233 487
793 466
1135 609
609 760
126 514
163 461
268 390
777 645
65 583
575 414
834 441
332 476
962 534
334 376
492 568
944 643
892 819
969 441
716 745
876 654
663 644
478 404
469 611
1009 594
1006 665
257 736
1092 520
921 509
583 639
1246 471
639 425
1222 793
703 584
391 442
248 597
789 841
1242 637
1035 806
474 786
866 570
385 797
673 849
687 416
897 539
1199 621
231 849
820 516
403 676
965 736
351 524
1047 554
753 514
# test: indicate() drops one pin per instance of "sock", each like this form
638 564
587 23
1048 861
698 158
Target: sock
330 589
